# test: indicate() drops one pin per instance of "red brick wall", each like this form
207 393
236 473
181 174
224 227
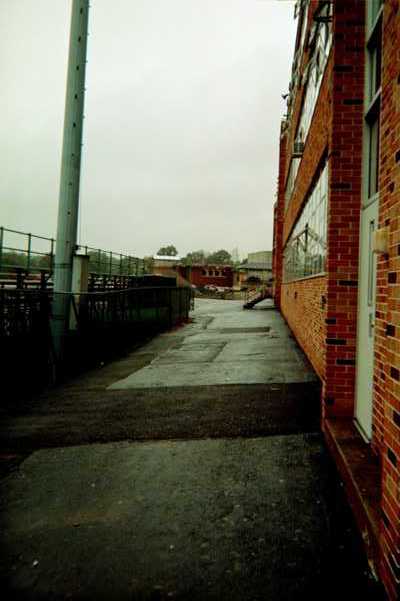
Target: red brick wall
279 210
301 303
307 297
344 205
196 276
335 133
386 416
328 335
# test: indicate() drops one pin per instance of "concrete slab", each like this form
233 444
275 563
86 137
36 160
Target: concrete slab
252 348
226 347
254 371
192 352
269 340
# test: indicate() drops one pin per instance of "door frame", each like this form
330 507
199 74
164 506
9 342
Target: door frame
367 435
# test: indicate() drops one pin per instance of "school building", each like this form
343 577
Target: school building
336 257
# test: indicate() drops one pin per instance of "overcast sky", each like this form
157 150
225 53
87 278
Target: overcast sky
182 119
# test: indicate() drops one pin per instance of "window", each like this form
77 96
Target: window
217 273
291 178
304 18
305 251
320 42
372 98
301 11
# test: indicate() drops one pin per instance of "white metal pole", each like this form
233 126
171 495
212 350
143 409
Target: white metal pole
68 207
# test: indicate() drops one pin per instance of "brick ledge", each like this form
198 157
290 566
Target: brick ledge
359 468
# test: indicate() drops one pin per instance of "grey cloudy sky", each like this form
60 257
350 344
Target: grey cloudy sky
182 120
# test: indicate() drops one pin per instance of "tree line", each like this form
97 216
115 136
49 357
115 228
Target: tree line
219 257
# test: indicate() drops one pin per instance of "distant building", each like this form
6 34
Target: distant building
220 276
257 270
167 266
197 275
261 256
165 260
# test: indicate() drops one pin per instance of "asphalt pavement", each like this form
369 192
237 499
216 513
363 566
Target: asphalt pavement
192 468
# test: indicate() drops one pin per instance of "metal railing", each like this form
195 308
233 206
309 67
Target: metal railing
131 307
27 261
26 349
256 294
28 252
109 263
22 312
102 325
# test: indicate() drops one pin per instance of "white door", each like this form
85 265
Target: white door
366 320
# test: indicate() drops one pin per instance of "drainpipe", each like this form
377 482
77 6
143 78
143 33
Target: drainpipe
68 204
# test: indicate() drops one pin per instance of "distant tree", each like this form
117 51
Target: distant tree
41 261
196 256
12 260
99 262
168 251
221 257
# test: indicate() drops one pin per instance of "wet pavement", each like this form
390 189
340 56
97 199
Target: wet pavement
231 346
192 468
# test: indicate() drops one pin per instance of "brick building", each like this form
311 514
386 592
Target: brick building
220 276
257 270
337 248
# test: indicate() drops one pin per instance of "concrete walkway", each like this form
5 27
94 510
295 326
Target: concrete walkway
190 469
226 345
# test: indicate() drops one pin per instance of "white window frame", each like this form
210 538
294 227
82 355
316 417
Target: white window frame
372 101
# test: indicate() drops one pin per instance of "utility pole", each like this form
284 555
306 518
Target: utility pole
68 204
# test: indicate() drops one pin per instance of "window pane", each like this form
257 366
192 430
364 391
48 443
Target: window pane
374 67
316 68
373 180
293 169
305 250
375 62
373 9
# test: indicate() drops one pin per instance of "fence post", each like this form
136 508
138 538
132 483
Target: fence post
42 279
19 278
51 266
1 246
28 263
